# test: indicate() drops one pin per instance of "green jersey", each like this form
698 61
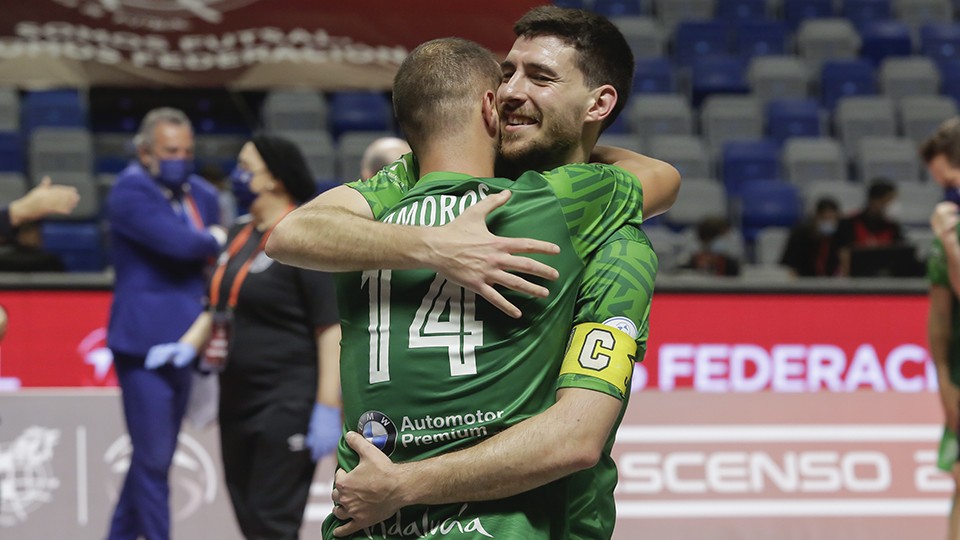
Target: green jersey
616 292
427 369
938 274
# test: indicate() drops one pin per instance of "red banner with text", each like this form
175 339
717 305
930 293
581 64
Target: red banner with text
238 43
706 342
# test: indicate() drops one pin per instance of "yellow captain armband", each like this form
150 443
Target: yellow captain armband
602 352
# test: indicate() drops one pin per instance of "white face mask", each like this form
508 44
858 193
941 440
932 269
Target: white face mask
827 228
892 211
720 245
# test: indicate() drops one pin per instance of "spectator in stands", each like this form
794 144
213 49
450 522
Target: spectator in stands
164 228
714 255
379 154
273 331
811 249
941 154
26 253
873 227
45 199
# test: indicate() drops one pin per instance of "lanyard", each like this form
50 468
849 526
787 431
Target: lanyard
190 208
238 242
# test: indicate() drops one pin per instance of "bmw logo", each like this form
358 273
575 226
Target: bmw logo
377 428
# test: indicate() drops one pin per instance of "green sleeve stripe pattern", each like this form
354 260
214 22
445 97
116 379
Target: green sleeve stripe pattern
385 188
619 281
596 200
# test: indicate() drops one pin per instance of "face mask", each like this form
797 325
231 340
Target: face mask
240 185
720 245
892 211
174 172
827 228
952 194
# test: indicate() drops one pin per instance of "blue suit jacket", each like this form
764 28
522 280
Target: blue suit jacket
159 260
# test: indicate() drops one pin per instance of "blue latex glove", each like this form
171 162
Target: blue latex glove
176 353
325 429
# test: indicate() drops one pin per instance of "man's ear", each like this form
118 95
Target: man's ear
491 117
602 101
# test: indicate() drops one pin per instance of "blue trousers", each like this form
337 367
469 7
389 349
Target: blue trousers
154 402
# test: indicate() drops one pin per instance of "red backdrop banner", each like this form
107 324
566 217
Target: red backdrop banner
241 43
706 342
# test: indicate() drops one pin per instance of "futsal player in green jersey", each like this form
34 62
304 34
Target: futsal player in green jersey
941 154
550 456
444 370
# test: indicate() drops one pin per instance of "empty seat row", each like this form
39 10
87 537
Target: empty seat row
793 12
786 77
725 118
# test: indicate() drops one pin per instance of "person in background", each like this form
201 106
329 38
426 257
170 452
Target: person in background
164 229
941 154
875 226
713 256
379 154
43 200
943 329
26 254
272 332
811 249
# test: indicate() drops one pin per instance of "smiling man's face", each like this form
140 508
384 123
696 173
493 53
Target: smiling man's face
543 102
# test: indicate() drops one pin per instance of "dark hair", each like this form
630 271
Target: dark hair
945 141
286 163
880 188
603 54
827 203
712 227
437 86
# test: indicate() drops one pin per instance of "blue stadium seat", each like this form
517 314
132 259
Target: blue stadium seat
52 108
768 204
697 39
11 153
741 10
940 41
746 160
78 244
797 11
359 111
760 38
619 8
950 78
653 76
861 12
841 78
718 75
882 39
619 126
572 4
793 118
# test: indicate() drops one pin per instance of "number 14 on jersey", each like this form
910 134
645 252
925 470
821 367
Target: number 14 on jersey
446 319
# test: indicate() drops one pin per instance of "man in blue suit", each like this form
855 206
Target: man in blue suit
163 228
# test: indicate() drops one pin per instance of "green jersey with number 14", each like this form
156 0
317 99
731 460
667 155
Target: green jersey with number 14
428 368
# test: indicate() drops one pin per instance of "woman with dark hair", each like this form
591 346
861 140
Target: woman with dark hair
272 333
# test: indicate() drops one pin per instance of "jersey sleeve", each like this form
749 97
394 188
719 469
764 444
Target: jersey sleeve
596 200
385 188
937 272
611 323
